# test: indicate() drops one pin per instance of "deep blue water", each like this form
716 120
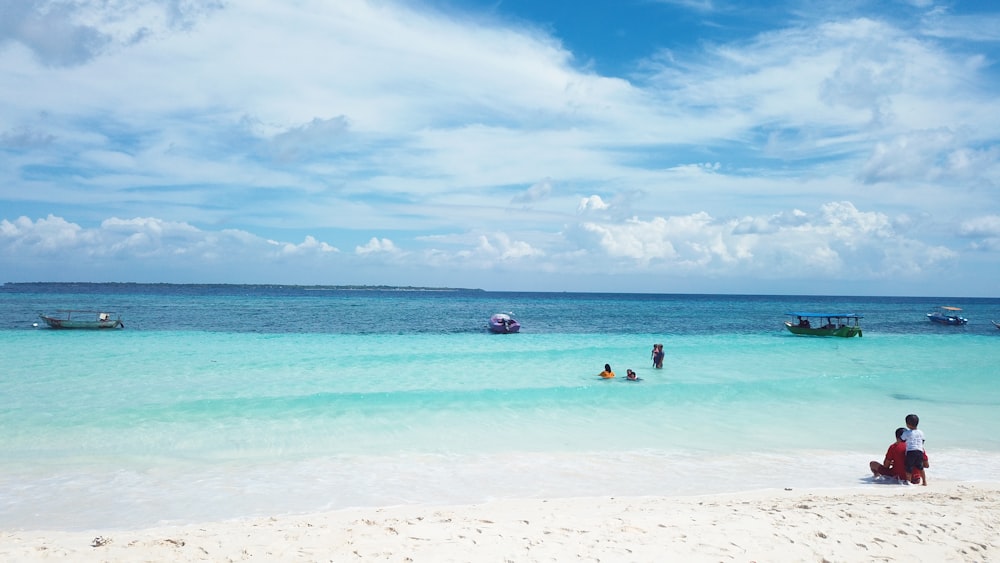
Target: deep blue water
298 309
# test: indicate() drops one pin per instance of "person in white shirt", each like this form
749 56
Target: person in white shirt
914 449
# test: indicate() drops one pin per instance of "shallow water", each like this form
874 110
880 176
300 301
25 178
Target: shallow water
228 401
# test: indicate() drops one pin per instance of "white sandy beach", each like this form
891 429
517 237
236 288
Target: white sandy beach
941 522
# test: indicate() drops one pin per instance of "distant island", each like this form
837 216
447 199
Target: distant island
377 288
85 285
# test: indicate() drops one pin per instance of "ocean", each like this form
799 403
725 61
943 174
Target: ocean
218 402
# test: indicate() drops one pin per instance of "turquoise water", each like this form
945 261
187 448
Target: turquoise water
226 401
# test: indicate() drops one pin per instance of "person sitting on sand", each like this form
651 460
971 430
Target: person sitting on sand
894 464
630 375
607 373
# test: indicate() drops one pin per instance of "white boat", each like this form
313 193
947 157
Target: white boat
74 318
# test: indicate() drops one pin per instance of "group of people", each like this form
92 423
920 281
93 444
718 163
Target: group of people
608 374
657 355
906 459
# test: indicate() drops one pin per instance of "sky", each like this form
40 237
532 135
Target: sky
655 146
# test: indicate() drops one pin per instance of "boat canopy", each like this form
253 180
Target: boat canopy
82 311
827 315
952 308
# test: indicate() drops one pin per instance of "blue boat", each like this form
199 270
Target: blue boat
947 316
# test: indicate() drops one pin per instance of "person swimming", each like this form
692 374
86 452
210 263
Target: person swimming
607 373
631 376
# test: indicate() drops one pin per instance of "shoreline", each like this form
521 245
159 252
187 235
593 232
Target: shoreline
943 521
76 497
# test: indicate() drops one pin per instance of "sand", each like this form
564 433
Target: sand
882 522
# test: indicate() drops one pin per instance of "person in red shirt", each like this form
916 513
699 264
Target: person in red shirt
894 464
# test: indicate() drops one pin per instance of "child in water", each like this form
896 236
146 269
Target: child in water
607 373
630 375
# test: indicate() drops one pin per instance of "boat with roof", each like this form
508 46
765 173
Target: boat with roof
947 316
844 325
75 318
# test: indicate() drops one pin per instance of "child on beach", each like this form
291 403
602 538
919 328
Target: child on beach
914 450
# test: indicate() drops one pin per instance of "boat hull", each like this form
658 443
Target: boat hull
947 319
80 324
843 332
503 324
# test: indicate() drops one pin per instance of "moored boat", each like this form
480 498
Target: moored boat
844 325
503 323
73 318
996 324
947 316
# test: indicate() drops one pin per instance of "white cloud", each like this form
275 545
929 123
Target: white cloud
836 241
984 232
377 246
931 156
592 203
45 237
51 34
839 240
770 224
142 239
507 249
310 244
64 33
641 241
486 252
988 226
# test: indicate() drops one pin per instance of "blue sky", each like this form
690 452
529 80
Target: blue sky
669 146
